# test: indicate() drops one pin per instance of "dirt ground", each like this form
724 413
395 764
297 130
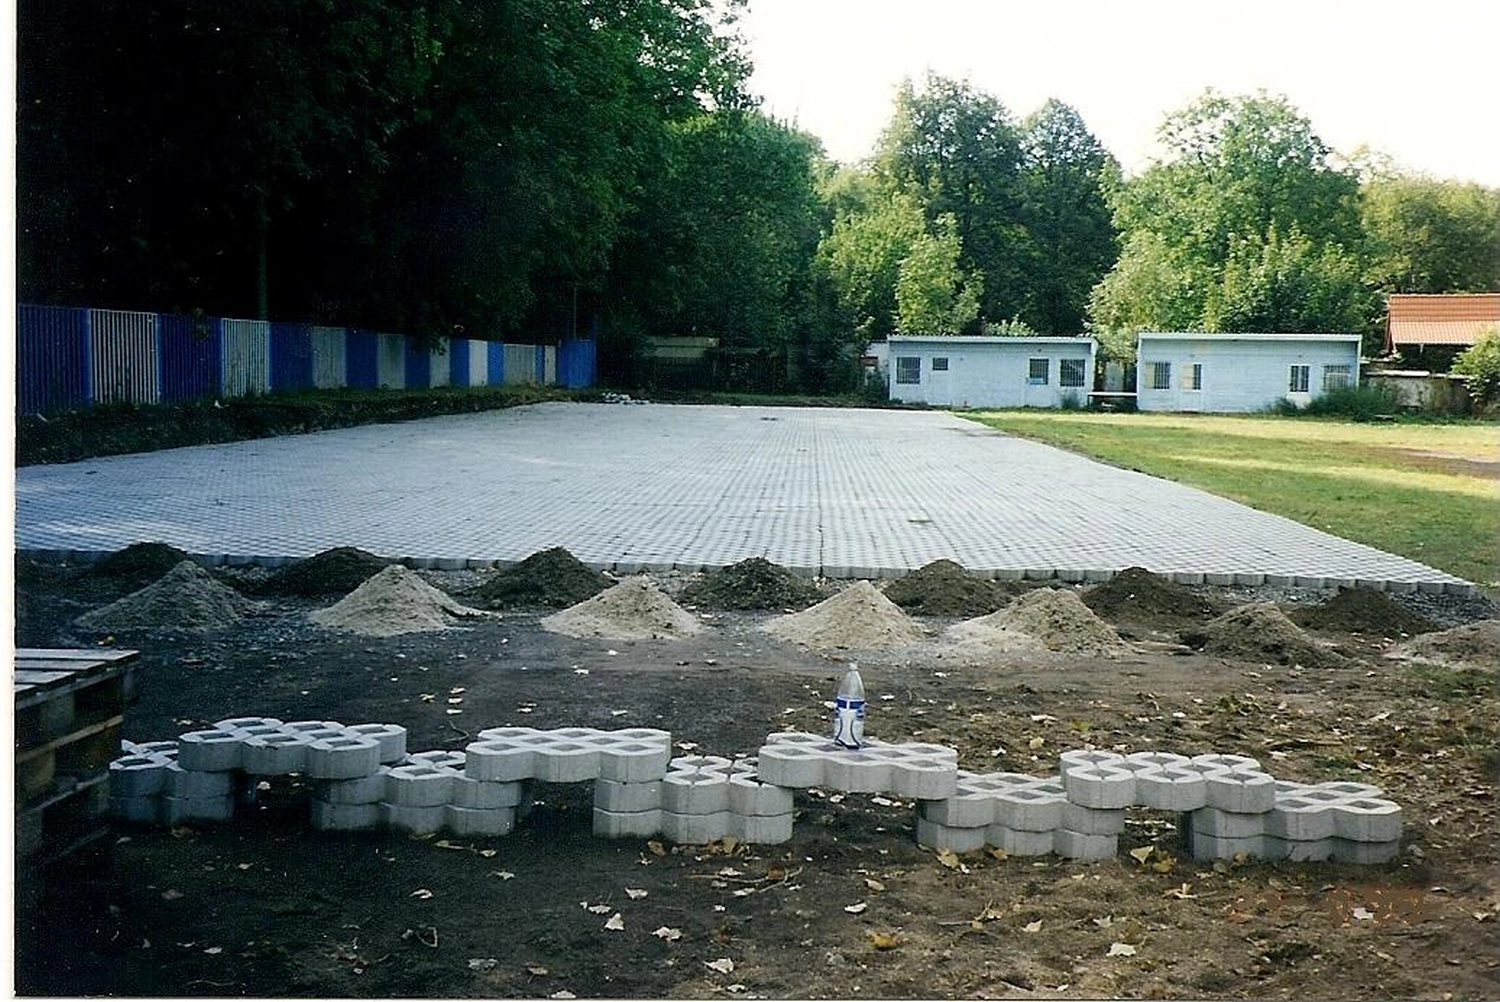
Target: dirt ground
264 905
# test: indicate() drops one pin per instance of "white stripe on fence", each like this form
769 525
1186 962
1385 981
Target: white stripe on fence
479 363
124 357
330 358
245 357
438 366
390 361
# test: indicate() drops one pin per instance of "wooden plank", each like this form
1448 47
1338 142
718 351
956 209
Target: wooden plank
28 676
75 654
81 733
73 679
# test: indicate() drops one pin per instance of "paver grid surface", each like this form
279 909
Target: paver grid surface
843 493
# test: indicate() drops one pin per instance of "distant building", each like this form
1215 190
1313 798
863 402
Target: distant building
1449 320
967 371
1223 373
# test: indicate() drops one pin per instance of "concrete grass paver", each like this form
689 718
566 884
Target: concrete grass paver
630 487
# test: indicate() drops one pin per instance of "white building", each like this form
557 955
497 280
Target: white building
1240 372
952 371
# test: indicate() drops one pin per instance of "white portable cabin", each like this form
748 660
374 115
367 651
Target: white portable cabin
954 371
1226 373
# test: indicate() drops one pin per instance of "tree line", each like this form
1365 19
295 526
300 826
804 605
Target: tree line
554 168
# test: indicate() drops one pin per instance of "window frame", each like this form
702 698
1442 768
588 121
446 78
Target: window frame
1345 374
940 368
908 370
1160 375
1299 378
1081 366
1194 377
1045 379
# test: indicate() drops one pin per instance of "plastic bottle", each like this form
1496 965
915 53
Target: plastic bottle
849 710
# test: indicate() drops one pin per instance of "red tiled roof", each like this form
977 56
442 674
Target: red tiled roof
1450 318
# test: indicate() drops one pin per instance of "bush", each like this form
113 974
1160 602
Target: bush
1479 364
1361 403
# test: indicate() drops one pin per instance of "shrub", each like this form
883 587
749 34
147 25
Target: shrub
1479 364
1362 403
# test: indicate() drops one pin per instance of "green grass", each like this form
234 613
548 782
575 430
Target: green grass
1425 490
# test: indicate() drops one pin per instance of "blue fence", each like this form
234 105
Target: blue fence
69 358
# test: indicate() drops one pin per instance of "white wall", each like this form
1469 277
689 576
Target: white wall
988 371
1239 374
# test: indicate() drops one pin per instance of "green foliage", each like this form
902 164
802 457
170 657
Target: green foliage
1427 235
1357 403
1479 364
933 296
862 257
1286 283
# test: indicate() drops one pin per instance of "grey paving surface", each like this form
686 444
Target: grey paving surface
838 492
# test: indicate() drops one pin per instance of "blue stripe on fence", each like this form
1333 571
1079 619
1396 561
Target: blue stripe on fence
418 366
497 362
541 364
363 360
575 364
291 357
52 359
458 362
189 358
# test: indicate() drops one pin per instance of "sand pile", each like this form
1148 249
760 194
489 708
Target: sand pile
1363 610
393 602
1472 645
859 617
755 583
1049 618
333 572
1138 595
139 564
552 578
634 609
186 598
1260 632
944 588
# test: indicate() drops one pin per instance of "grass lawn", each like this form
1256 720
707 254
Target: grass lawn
1430 492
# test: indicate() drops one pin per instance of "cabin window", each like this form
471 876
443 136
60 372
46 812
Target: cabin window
1038 370
908 369
1298 381
1336 377
1195 376
1161 375
1070 372
939 365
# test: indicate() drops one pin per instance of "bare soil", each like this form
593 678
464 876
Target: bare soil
265 906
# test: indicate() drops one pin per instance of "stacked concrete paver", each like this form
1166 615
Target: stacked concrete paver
364 777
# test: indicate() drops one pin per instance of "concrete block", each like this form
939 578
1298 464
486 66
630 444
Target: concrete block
190 784
857 773
479 795
1228 824
1223 580
790 766
635 756
499 761
137 776
1216 847
363 790
1035 808
1076 845
333 817
566 761
1308 581
240 723
347 756
145 809
1092 821
1187 577
626 824
971 806
762 829
390 737
1296 850
1367 820
1101 786
418 785
696 784
696 829
1301 818
415 819
1019 843
936 836
440 758
164 749
751 798
1236 783
916 770
277 754
1167 782
175 810
1363 853
214 750
491 821
314 729
627 798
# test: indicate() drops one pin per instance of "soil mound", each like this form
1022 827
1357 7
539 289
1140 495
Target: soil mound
944 588
1260 632
139 564
755 583
186 598
333 572
859 616
1137 594
634 609
1472 645
1362 610
1052 618
393 602
552 578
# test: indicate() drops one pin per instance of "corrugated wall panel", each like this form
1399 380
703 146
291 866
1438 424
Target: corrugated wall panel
291 357
189 358
124 357
547 357
418 365
575 363
458 361
495 374
246 355
329 357
52 370
520 364
438 364
479 363
390 361
364 360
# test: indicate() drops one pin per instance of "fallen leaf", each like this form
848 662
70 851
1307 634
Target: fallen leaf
601 909
1036 743
502 874
636 893
856 908
884 940
723 965
171 894
1105 922
1362 913
948 858
615 923
657 849
421 893
1183 893
669 934
999 853
564 994
487 853
1032 926
1143 853
874 884
483 963
214 951
1121 950
735 988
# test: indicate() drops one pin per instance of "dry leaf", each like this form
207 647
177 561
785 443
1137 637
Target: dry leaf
214 951
1121 950
483 963
723 965
1362 913
874 884
1032 926
1183 893
615 923
636 893
536 970
1105 922
601 909
1164 862
502 874
171 894
657 849
668 934
856 908
884 940
1143 853
1036 743
948 858
735 988
421 892
564 994
999 853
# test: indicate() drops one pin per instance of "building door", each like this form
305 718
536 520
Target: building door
939 391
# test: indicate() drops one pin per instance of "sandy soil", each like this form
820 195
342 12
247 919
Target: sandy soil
266 906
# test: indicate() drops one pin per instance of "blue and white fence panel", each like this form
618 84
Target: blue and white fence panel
69 358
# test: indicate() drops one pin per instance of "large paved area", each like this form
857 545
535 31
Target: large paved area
839 492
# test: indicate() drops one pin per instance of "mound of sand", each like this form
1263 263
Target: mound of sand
1260 632
333 572
1362 610
755 583
1472 645
944 588
1049 618
552 578
1137 594
859 617
186 598
139 564
393 602
634 609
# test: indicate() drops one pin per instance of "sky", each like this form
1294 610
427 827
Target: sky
1417 81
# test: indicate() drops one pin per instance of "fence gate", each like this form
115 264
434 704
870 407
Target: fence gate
125 357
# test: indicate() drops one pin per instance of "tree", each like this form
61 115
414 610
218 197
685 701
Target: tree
1286 283
1065 172
862 257
933 294
1427 235
1480 365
